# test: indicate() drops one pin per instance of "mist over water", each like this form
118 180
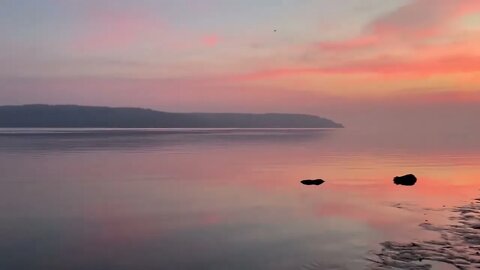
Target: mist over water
223 199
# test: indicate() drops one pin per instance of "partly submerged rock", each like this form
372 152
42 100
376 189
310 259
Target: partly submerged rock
309 182
406 180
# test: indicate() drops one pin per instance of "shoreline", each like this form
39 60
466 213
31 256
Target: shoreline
458 244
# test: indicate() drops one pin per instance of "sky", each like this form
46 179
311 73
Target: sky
356 61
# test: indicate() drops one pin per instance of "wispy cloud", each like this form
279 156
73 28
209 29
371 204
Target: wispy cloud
418 39
410 24
110 29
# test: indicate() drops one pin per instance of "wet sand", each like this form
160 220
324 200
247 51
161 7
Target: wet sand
457 246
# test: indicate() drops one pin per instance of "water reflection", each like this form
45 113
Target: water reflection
217 199
146 139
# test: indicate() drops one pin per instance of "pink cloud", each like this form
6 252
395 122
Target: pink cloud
210 40
414 22
417 39
119 31
113 29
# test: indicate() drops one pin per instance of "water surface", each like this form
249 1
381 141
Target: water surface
222 199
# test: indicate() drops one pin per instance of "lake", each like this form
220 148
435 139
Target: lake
225 198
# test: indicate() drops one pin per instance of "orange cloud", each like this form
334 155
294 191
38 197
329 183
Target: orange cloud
414 67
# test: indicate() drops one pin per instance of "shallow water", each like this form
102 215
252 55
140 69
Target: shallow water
223 199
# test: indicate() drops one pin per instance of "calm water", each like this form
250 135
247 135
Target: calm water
222 199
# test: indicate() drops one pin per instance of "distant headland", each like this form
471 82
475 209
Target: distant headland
74 116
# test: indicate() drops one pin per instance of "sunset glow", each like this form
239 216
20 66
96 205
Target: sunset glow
213 55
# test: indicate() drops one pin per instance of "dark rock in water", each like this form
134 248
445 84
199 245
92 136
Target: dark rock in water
312 182
406 180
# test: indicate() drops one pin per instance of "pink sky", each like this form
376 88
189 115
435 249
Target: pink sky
319 57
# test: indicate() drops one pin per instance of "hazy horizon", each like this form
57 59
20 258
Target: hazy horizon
382 118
